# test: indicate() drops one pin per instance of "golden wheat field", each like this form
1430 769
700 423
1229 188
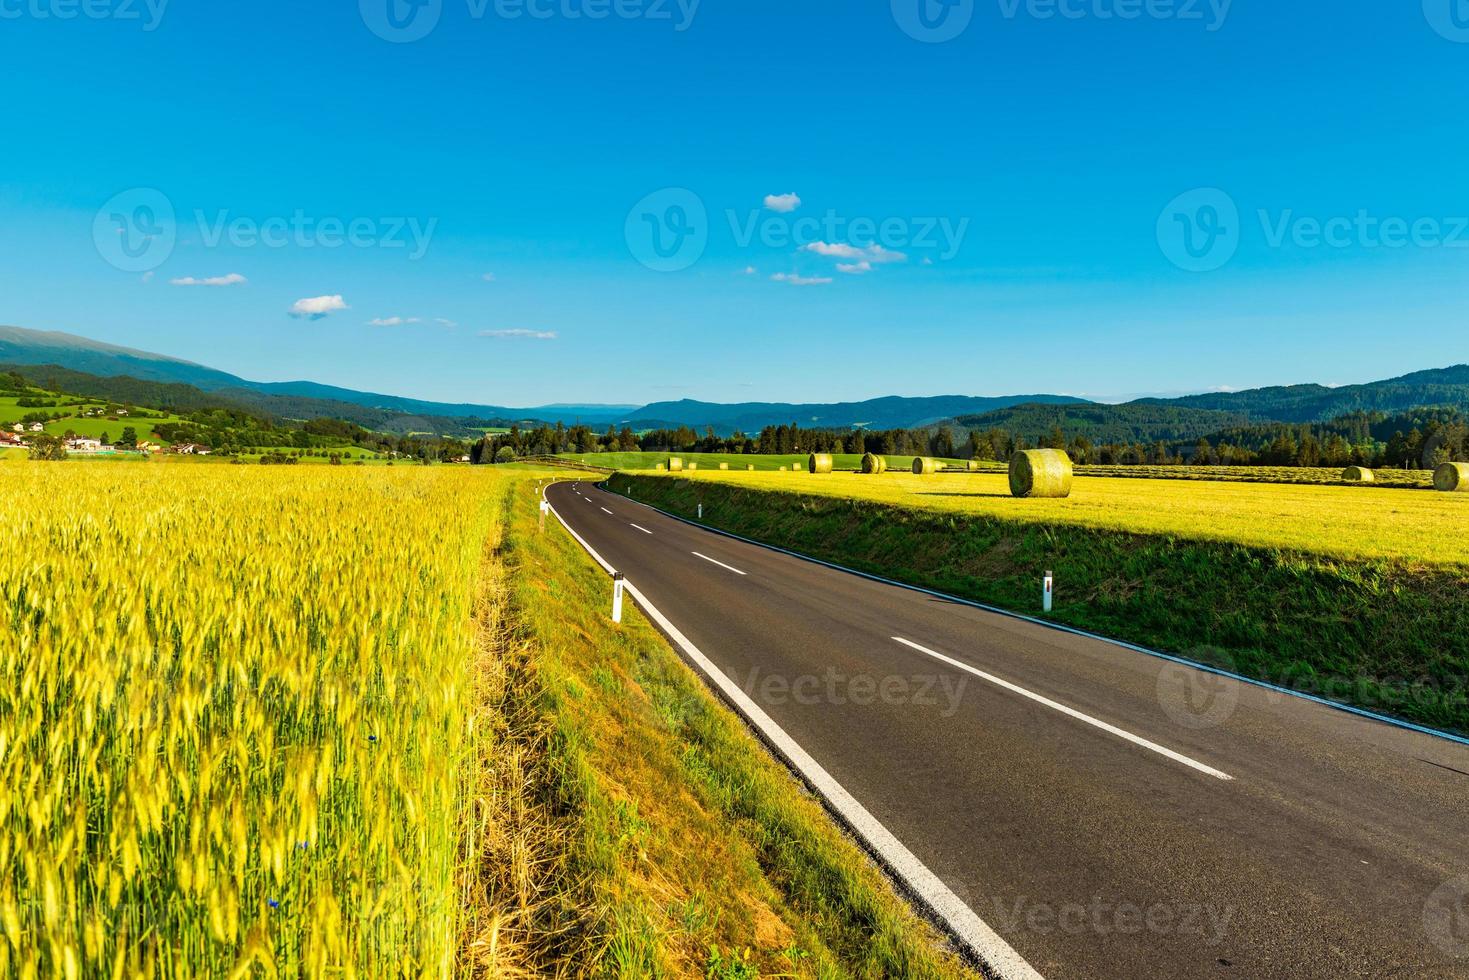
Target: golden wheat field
233 717
1343 521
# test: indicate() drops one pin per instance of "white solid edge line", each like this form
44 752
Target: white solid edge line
976 935
1071 712
643 529
719 563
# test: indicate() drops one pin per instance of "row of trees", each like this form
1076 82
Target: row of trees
1420 439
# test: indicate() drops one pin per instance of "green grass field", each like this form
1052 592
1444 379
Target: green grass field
1354 594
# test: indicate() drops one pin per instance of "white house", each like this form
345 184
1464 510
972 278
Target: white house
37 427
83 445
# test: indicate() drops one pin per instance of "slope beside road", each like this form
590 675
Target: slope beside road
1103 813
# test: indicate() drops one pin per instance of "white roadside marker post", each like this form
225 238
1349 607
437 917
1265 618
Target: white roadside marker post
617 581
545 506
701 512
1046 592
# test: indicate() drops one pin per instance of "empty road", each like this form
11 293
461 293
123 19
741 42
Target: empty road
1105 812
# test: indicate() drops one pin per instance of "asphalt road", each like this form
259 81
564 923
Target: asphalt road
1107 813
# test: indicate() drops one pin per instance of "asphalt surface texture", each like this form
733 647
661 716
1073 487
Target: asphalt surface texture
1106 812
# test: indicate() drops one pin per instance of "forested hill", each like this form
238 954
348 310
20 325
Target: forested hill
1447 387
1135 422
891 412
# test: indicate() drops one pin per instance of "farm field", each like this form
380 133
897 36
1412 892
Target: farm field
736 461
1316 475
372 722
1345 521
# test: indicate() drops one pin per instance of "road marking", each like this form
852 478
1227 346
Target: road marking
606 511
1070 712
643 529
719 563
973 932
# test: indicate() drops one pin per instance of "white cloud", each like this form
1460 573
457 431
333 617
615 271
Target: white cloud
875 254
233 279
855 268
445 322
488 277
317 307
519 334
793 279
393 321
148 276
750 270
783 203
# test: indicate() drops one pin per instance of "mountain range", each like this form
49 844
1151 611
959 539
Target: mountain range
92 367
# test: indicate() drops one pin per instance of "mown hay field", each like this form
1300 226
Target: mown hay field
736 461
1346 521
234 718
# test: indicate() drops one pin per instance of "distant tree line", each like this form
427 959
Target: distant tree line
1422 438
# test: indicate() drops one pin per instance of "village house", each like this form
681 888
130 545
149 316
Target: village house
84 445
37 427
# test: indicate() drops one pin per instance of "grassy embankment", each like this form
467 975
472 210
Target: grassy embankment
302 742
1358 596
687 836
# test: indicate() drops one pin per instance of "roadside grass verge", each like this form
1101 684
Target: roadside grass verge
685 849
1385 634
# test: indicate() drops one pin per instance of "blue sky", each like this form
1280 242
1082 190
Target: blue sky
1028 184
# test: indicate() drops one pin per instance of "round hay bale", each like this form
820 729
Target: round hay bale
819 463
972 466
1358 474
693 466
780 469
1452 478
873 464
924 466
674 464
1040 473
749 467
724 466
661 467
